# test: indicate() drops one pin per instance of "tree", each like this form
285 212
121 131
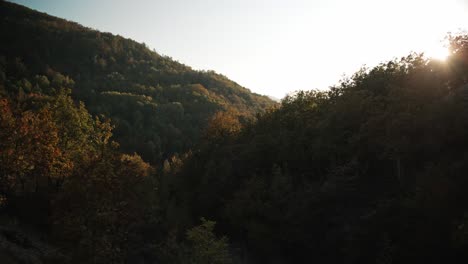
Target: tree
222 126
205 247
31 157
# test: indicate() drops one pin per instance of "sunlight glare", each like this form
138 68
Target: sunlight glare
437 52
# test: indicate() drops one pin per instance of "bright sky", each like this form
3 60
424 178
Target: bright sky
273 47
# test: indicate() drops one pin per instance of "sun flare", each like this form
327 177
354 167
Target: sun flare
437 52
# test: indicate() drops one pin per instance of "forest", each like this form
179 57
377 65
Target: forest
112 153
159 106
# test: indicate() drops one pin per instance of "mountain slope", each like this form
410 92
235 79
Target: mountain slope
371 171
159 106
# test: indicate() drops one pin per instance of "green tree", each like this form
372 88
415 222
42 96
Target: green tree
205 247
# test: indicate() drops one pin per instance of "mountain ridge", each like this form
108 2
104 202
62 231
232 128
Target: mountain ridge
159 106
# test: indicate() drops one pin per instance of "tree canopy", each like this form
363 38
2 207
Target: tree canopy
158 106
112 153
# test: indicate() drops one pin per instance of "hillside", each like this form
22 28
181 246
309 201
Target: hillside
371 171
159 106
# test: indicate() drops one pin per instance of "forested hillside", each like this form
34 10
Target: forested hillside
372 170
159 106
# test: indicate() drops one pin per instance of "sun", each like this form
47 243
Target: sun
437 52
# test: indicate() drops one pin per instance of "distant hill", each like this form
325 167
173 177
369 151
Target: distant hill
274 98
159 106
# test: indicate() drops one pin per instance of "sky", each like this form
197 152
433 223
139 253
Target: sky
274 47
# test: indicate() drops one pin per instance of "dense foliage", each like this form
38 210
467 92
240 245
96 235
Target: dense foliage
63 176
371 171
159 106
59 171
